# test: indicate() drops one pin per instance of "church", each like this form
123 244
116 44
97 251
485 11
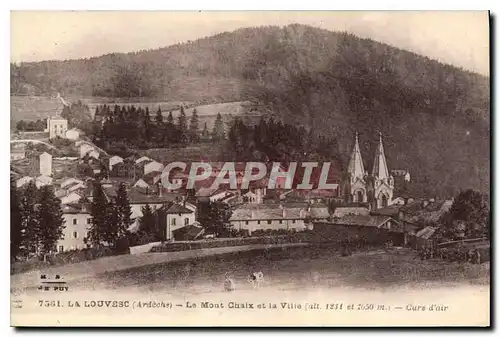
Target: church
375 189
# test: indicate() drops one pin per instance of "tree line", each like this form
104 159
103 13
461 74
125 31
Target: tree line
31 126
273 140
124 128
135 127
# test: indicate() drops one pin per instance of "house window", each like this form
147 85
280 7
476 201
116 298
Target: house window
75 235
258 222
269 222
293 221
89 221
246 223
186 222
173 222
61 249
75 222
281 221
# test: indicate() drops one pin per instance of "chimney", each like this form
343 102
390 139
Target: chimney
283 213
252 215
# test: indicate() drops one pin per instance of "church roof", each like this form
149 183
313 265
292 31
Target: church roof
356 168
380 170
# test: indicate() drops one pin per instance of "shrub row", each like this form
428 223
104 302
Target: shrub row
71 256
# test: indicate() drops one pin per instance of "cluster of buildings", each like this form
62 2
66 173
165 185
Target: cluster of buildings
360 200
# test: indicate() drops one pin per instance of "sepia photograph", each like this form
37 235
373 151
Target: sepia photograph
250 169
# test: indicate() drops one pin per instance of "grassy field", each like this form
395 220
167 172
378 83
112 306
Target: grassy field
31 108
298 275
296 268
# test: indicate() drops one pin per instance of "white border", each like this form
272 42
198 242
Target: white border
181 5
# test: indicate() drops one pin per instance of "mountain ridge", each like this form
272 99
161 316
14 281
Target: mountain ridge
435 117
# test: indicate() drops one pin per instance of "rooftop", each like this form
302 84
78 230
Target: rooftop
361 220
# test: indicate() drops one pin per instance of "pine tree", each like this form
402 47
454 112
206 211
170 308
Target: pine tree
159 117
98 210
16 229
147 126
170 129
147 221
214 216
194 127
205 134
182 125
29 219
159 128
111 226
50 219
218 130
124 210
170 118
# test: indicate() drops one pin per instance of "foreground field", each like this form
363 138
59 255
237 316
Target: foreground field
291 268
190 292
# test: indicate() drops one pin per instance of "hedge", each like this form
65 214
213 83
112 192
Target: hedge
231 242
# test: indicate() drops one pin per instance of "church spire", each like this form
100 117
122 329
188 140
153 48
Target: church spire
380 170
356 168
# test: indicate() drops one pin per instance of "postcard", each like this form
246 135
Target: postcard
285 169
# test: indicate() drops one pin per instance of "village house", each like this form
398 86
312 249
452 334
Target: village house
56 127
45 162
175 216
426 238
123 169
77 220
70 198
73 134
139 168
43 181
188 233
371 229
212 195
17 153
141 183
23 181
350 209
292 217
155 198
85 149
143 158
113 161
425 211
153 166
64 183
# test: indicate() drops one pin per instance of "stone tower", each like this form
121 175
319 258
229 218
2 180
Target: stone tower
381 184
355 186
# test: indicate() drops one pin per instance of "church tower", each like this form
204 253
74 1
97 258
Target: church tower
355 185
381 187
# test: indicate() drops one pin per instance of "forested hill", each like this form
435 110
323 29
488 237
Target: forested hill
434 117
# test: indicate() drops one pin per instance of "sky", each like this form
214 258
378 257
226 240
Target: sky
457 38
